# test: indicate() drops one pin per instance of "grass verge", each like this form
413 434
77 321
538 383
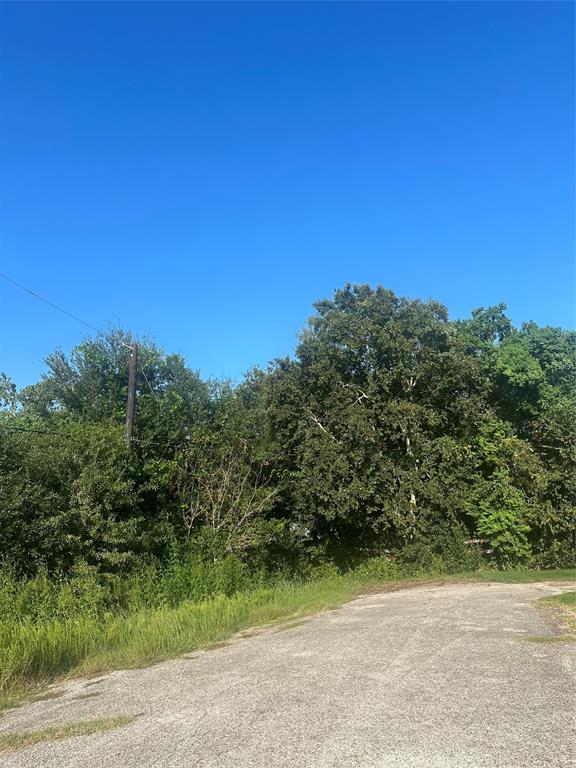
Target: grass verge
564 607
525 577
34 654
10 742
566 600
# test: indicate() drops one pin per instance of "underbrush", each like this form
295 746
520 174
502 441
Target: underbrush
85 592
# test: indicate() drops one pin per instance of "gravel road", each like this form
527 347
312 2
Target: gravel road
427 677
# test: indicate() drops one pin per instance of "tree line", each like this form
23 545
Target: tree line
393 430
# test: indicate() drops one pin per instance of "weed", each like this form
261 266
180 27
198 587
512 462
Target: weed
12 741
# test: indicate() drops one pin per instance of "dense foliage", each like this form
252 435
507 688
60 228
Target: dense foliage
393 431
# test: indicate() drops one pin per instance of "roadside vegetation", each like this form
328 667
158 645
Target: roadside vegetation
395 444
564 607
526 576
10 742
50 631
567 601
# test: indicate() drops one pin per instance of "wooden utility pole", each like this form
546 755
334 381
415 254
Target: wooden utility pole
131 404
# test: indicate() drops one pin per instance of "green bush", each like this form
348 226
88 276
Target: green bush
378 569
416 557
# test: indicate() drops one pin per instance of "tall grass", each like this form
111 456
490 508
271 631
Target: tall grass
38 651
86 593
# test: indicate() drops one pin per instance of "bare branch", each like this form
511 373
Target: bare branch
227 497
319 424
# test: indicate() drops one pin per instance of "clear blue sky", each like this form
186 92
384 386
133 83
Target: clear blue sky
204 172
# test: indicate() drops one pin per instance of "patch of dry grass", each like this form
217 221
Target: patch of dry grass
12 741
564 608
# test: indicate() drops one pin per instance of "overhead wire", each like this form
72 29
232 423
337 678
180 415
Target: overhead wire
34 430
54 306
50 303
14 428
149 385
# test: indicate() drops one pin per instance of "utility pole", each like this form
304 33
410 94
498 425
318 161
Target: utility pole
131 404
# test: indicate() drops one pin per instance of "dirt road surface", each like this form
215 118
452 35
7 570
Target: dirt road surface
427 677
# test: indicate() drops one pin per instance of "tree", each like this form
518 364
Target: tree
8 394
377 381
68 495
225 497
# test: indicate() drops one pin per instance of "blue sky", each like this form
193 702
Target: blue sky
204 172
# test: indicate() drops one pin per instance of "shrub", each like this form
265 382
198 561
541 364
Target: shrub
378 569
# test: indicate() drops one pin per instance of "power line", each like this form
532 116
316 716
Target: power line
55 306
149 385
50 303
14 428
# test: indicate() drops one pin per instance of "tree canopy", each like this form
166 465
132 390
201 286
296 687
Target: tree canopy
393 429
